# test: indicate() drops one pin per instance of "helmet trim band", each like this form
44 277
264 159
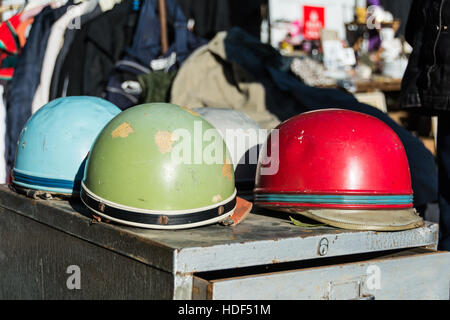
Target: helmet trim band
158 219
153 211
29 180
336 199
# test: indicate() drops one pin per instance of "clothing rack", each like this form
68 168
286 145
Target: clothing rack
163 22
162 15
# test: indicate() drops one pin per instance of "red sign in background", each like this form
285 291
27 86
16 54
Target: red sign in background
314 21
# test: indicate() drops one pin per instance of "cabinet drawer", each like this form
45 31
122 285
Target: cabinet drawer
408 274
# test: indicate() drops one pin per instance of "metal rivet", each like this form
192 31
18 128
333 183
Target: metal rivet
323 246
101 207
163 220
221 210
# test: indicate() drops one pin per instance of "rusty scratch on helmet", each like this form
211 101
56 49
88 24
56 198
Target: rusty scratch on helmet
164 140
227 171
163 220
122 131
190 111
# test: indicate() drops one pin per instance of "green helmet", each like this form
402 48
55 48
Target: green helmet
159 166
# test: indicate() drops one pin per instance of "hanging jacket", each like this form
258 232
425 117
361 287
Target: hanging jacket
55 41
3 168
156 86
144 54
209 16
69 37
426 82
26 76
97 46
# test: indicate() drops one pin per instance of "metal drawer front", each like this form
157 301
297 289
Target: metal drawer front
409 274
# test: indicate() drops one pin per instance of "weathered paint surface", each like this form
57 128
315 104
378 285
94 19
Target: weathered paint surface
190 111
416 275
182 286
164 140
122 131
64 231
227 170
258 240
148 167
34 259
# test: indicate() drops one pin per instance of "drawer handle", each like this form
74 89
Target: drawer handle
365 297
348 290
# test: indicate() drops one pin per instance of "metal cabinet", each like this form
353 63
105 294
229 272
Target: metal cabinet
407 274
264 257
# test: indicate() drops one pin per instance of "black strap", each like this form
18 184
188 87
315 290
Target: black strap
153 218
245 186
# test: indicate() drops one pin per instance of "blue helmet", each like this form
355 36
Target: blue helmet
53 145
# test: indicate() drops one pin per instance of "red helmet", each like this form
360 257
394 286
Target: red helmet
340 167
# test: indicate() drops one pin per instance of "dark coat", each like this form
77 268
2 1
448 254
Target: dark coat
97 46
27 75
69 37
426 83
